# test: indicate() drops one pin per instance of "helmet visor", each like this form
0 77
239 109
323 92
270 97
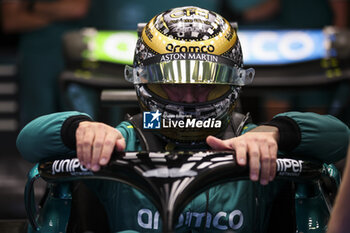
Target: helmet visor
192 71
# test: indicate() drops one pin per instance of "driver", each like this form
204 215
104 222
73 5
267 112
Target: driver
188 73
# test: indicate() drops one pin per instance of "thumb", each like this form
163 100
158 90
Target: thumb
217 144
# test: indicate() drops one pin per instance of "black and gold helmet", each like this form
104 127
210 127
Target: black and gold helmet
189 45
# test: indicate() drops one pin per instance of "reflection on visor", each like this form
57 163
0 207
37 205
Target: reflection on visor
189 71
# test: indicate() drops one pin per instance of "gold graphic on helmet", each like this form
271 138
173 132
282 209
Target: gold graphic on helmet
189 11
148 33
160 43
229 35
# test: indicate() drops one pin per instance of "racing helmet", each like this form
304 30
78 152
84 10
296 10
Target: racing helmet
189 45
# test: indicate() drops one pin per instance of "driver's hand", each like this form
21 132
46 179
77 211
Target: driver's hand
96 142
260 144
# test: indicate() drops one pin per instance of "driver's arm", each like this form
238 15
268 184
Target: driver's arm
73 133
42 138
307 135
322 137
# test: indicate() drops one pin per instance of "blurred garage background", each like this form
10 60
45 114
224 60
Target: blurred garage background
70 55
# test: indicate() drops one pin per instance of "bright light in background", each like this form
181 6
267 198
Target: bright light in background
281 46
259 47
120 46
114 46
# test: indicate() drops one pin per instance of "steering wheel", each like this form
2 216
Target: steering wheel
169 179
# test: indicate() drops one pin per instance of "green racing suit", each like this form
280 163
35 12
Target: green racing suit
241 206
